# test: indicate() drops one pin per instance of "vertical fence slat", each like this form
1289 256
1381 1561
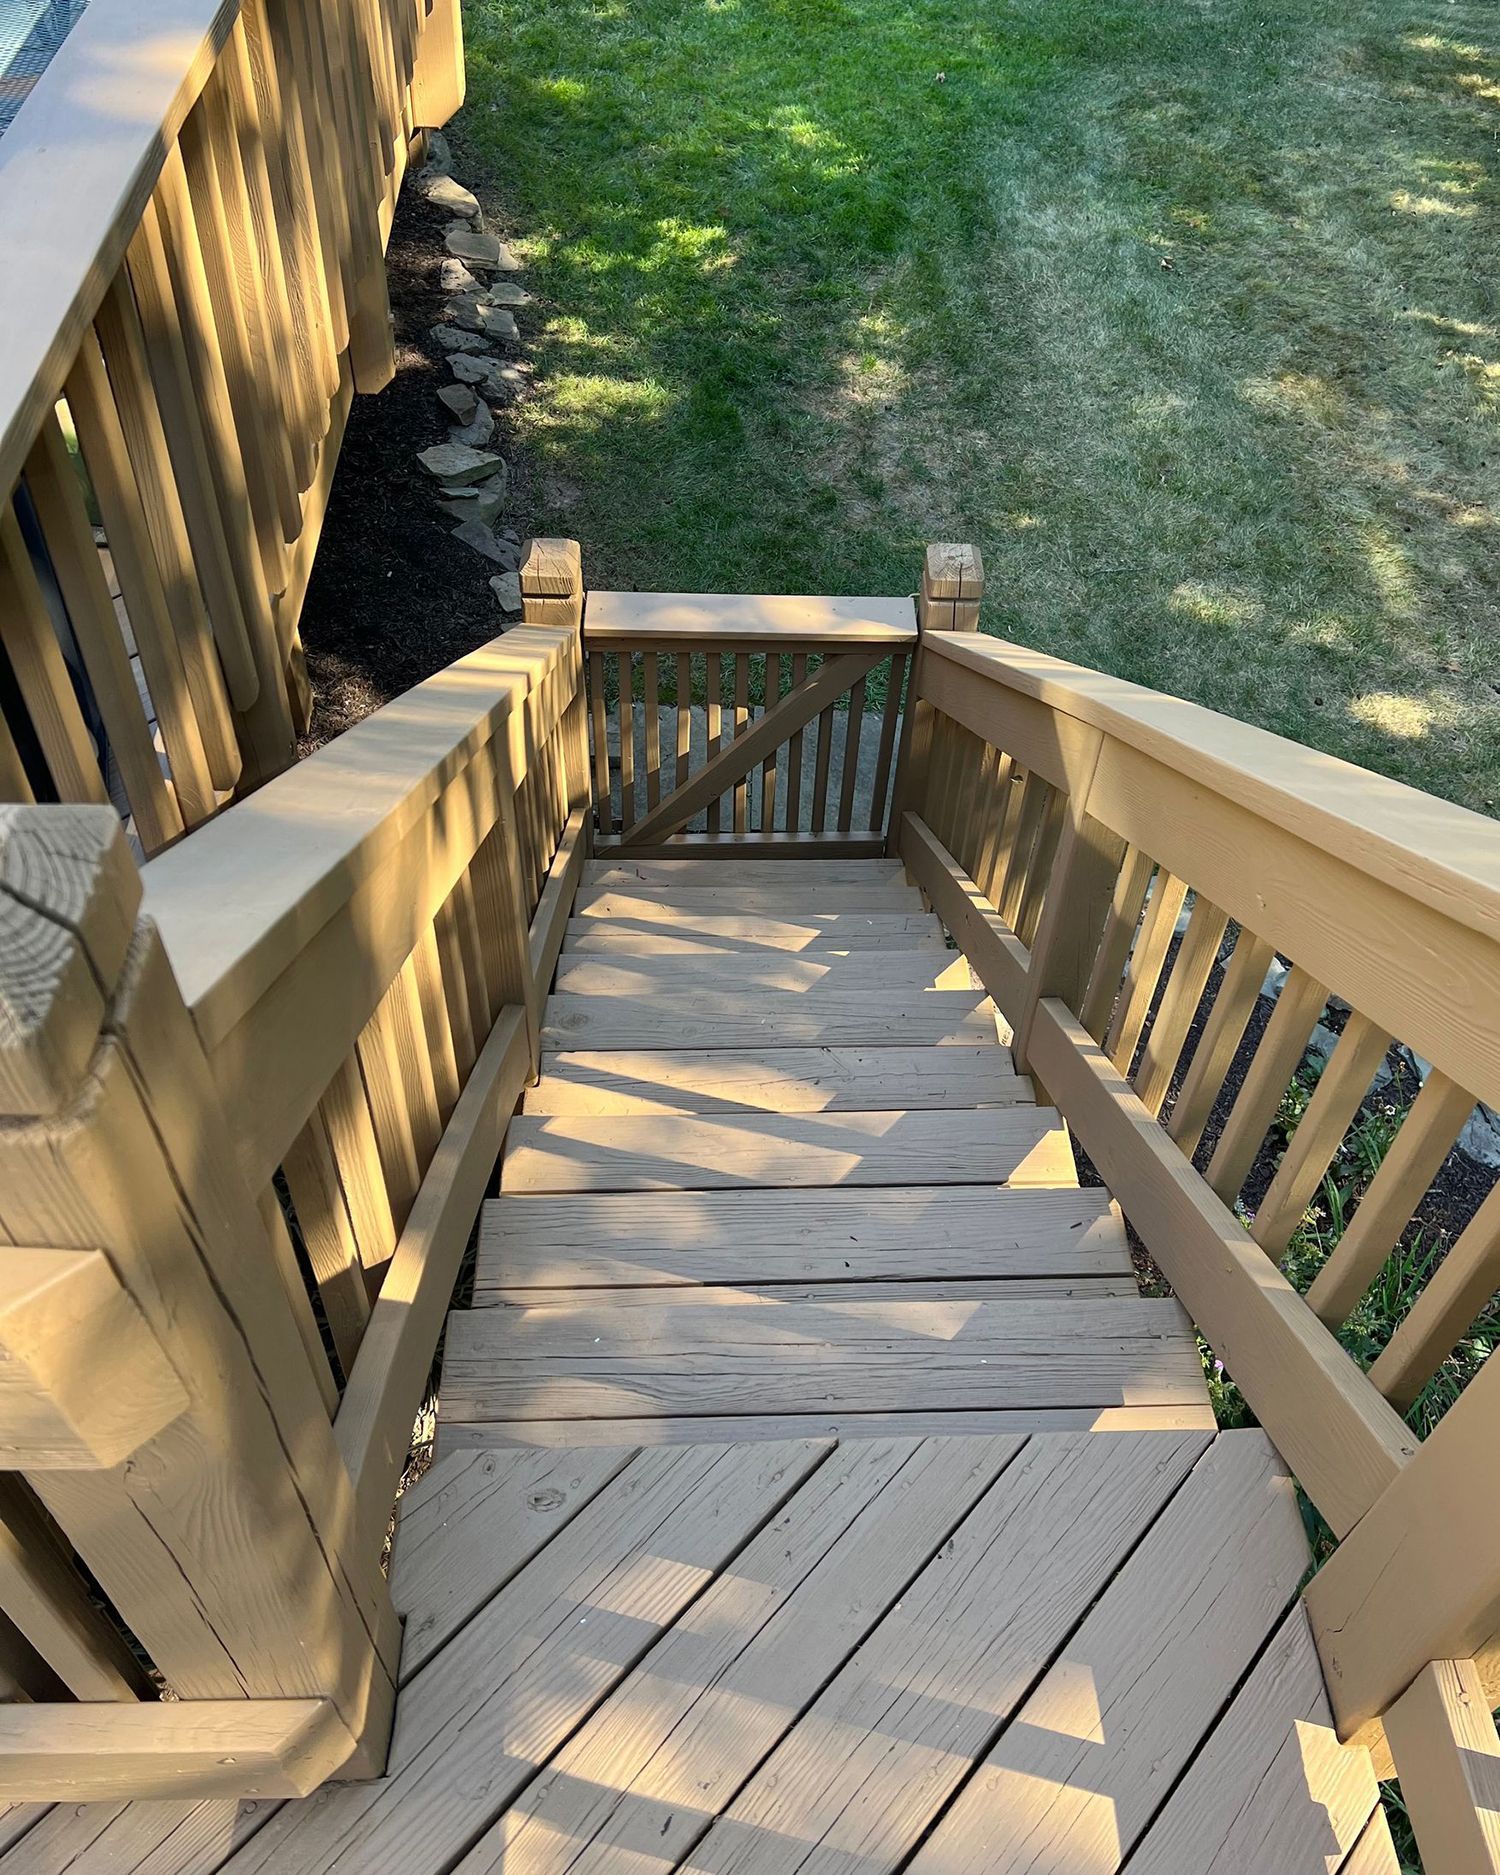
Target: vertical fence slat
1271 1068
284 1262
794 753
713 701
1179 1004
889 724
37 663
652 705
683 763
852 729
328 1231
121 342
102 441
1143 973
603 793
58 499
741 665
625 710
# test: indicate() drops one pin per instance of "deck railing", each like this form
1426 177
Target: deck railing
1067 827
193 208
253 1095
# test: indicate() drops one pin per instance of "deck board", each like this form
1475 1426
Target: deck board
611 1240
875 974
590 1360
698 1016
777 1080
702 1152
726 933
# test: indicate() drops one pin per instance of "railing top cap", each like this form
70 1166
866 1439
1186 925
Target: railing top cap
747 621
1426 847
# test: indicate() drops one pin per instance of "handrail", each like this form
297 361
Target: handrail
1120 868
747 622
299 1055
109 108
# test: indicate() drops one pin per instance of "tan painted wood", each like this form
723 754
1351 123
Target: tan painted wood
1223 1031
1195 960
897 1233
1341 1087
999 959
374 1421
345 1111
550 921
1390 1600
628 874
480 1718
686 1152
652 703
328 1230
1424 1140
1374 1853
472 1522
592 1361
867 1768
586 1434
1345 1443
427 971
1443 1739
775 1080
46 1599
1074 913
739 754
97 149
741 622
1143 971
720 933
1455 1294
1126 902
123 345
58 498
728 1018
666 904
1075 1780
385 1044
41 675
83 1380
171 1750
103 442
890 723
1273 1789
676 1740
878 973
1275 1061
625 724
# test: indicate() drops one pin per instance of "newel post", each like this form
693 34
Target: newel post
204 1490
552 594
947 600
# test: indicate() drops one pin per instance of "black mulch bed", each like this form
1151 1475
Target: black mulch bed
393 596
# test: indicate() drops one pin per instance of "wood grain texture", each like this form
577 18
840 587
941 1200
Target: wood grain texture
896 1233
874 973
697 1017
860 1778
678 1738
775 1080
667 904
742 622
480 1719
716 933
1097 1746
686 1152
1442 1736
590 1360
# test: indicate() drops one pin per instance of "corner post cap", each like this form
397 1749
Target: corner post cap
952 586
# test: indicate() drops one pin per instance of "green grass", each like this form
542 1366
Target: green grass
1187 313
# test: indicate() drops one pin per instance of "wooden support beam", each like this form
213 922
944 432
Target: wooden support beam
1448 1759
176 1750
83 1380
952 587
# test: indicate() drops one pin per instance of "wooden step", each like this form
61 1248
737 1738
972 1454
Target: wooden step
894 1234
776 1080
874 972
807 877
668 904
591 1360
696 1016
717 933
479 1435
754 1294
693 1152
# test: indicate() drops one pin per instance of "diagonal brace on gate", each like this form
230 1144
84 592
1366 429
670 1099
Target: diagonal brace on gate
781 721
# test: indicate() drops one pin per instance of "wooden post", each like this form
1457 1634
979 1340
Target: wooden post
118 1143
437 80
552 594
952 587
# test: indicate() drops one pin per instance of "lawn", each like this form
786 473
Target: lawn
1186 313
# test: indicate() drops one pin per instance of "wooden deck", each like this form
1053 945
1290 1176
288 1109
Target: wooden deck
815 1490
